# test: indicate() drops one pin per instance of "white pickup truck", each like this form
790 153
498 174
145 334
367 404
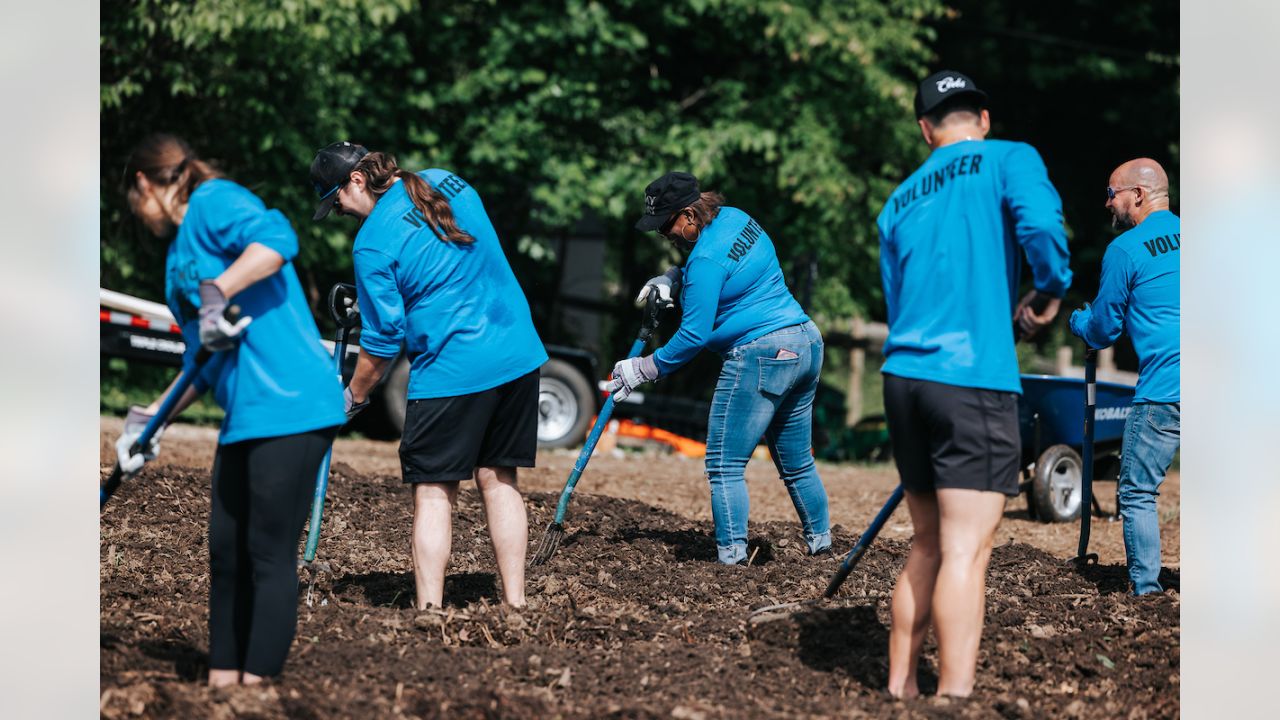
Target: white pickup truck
142 330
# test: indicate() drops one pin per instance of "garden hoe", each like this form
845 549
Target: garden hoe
555 530
343 308
158 420
1083 556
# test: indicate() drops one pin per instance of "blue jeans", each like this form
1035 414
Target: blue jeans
766 388
1151 437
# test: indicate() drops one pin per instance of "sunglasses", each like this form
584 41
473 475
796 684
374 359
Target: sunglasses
1113 192
665 230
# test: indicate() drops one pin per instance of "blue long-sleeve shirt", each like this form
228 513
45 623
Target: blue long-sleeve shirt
456 307
733 291
1139 294
951 242
278 379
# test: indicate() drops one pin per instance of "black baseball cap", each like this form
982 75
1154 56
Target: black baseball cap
941 87
666 195
330 170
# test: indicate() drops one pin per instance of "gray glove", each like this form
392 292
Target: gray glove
216 332
350 405
667 285
631 373
135 421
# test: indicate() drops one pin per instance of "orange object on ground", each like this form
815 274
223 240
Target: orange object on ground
683 445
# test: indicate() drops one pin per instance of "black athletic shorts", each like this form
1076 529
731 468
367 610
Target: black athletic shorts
947 436
446 439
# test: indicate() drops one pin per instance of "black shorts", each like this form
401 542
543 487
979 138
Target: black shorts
947 436
446 439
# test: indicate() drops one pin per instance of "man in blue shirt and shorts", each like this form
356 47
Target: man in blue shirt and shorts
1139 294
952 238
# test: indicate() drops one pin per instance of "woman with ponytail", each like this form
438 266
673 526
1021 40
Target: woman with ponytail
269 373
431 277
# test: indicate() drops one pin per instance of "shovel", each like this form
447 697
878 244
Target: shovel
555 530
342 307
1083 556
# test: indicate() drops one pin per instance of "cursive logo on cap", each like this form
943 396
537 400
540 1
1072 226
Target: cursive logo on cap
649 202
950 83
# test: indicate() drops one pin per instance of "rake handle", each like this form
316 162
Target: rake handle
593 437
851 560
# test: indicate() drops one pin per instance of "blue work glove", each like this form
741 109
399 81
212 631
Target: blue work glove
667 286
216 332
630 374
350 405
135 421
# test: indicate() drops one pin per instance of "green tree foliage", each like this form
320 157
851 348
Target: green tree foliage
799 112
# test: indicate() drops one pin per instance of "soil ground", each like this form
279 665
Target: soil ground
632 618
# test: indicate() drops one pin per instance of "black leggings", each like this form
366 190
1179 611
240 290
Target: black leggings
262 492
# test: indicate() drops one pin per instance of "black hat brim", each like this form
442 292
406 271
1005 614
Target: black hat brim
325 206
649 223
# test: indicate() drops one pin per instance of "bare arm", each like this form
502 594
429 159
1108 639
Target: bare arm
256 262
184 402
369 370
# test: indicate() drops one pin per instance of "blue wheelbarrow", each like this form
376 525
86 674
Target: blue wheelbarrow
1051 417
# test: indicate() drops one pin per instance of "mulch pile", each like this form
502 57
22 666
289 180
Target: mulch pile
631 619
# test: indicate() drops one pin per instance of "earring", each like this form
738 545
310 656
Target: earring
688 224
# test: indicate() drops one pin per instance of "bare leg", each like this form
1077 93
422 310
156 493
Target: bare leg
432 540
508 527
251 679
967 522
223 678
913 596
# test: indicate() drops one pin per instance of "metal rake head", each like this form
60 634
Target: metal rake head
548 545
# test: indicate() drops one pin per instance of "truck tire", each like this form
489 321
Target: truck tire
1056 484
566 404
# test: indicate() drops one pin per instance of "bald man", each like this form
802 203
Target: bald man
1139 295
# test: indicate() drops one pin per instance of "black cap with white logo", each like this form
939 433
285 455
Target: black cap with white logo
943 86
330 171
666 195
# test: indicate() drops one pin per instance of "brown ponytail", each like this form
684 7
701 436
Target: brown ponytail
381 170
165 160
706 208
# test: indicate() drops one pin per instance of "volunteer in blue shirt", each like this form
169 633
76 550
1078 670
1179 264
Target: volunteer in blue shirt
1139 295
431 277
270 375
736 303
952 237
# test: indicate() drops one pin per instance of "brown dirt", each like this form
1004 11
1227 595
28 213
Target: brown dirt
631 619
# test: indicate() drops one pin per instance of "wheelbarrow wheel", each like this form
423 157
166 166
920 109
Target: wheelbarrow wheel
1055 486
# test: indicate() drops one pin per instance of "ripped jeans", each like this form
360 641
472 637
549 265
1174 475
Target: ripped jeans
766 387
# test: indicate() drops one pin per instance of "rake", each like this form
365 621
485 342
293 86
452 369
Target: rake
554 533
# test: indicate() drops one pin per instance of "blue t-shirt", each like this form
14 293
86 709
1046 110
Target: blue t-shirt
278 380
456 307
949 259
733 291
1139 294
